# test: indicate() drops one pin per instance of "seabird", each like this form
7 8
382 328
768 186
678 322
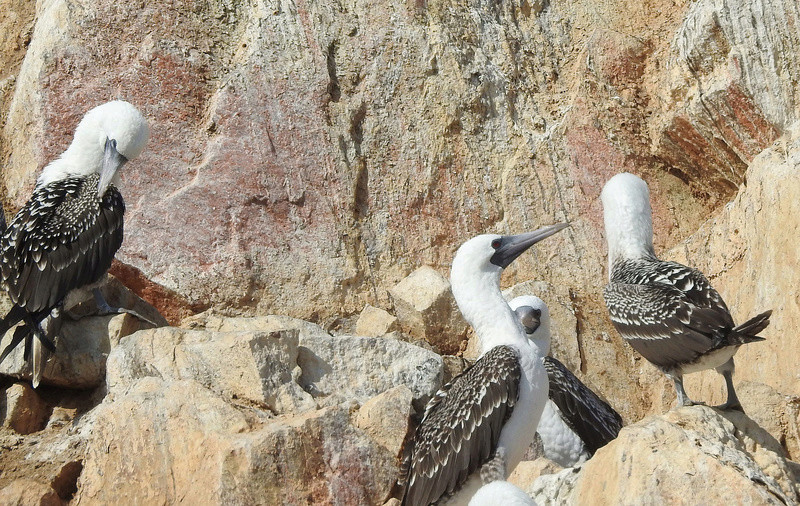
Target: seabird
67 233
575 421
668 312
490 411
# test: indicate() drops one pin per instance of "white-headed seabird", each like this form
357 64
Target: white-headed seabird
66 235
668 312
491 410
575 421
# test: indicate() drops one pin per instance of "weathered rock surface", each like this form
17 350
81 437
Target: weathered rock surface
749 252
426 310
694 455
206 404
375 322
22 409
306 157
84 342
335 369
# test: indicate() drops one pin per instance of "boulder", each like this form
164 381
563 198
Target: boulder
386 418
375 322
178 435
22 409
335 369
256 367
692 454
427 311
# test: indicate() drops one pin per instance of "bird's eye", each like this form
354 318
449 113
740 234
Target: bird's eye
496 243
537 313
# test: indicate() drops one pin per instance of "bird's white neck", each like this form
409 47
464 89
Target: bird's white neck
477 293
629 240
628 219
79 160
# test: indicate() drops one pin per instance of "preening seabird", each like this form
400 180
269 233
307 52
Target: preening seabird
491 410
575 421
668 312
67 233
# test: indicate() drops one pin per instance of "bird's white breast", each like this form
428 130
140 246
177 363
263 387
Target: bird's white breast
561 444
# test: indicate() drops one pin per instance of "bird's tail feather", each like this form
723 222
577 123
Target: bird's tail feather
747 331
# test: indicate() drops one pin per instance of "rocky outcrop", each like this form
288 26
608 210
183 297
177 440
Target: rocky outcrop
693 455
249 410
306 157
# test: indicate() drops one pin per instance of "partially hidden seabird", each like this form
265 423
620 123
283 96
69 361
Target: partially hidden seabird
668 312
66 235
575 421
499 493
490 411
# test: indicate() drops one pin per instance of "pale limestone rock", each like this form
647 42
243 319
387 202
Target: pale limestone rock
23 409
270 323
695 452
386 417
376 322
336 369
84 342
189 436
24 492
527 471
751 260
257 367
82 348
427 311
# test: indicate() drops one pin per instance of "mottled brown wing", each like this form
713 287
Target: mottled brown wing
63 238
660 322
589 416
462 425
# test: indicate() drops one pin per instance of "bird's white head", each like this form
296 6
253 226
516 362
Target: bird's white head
534 316
108 136
475 281
628 218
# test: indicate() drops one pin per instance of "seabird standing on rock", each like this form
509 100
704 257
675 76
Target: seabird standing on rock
489 412
575 421
668 312
66 235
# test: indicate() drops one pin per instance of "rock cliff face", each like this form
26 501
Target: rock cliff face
306 157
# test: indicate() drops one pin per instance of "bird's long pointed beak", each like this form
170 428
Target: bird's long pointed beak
112 162
512 246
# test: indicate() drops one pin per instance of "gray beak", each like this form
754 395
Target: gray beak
512 246
529 317
112 162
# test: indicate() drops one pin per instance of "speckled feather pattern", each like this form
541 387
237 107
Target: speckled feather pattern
668 312
461 427
63 238
594 421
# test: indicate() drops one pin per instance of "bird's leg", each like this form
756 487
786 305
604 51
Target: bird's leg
104 308
683 399
35 325
494 469
726 370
